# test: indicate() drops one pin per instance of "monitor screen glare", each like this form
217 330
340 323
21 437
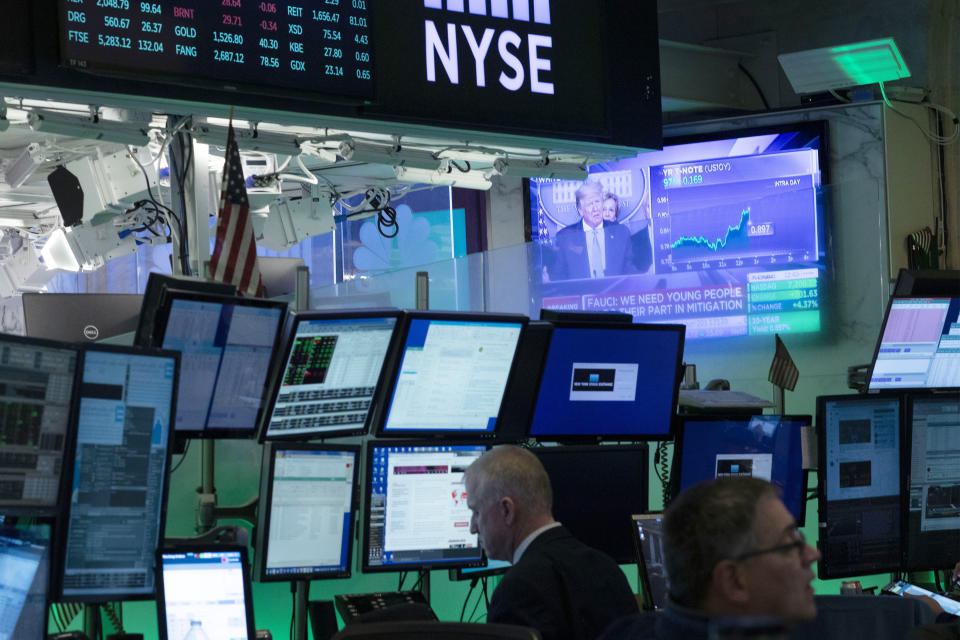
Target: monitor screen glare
24 564
226 353
311 511
36 387
919 345
119 474
452 376
417 507
330 375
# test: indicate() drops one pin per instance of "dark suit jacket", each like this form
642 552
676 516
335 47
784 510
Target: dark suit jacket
573 261
563 588
642 249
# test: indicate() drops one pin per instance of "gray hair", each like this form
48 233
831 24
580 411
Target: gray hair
590 184
509 471
707 523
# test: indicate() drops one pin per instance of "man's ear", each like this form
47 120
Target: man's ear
508 510
729 583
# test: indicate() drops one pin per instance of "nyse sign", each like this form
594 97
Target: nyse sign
453 45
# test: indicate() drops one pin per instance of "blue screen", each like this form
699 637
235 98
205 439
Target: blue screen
724 235
608 381
767 447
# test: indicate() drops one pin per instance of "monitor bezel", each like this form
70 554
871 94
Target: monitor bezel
646 589
283 355
596 438
824 571
59 558
163 317
70 434
200 548
676 472
876 349
461 573
365 566
265 502
390 384
154 297
906 453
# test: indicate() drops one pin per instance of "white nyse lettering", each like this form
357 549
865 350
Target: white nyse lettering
447 55
507 38
538 64
479 51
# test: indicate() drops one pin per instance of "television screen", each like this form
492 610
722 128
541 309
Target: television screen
115 516
227 346
37 380
933 490
616 381
305 513
416 513
858 484
919 345
595 491
452 374
766 446
723 233
333 366
204 592
24 581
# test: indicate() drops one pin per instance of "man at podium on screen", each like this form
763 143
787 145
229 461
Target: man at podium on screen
557 585
592 247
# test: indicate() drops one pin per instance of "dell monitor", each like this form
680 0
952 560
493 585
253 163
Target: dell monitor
227 347
37 384
204 590
333 365
858 484
765 446
24 580
919 345
452 374
416 513
932 498
306 511
617 382
595 491
115 515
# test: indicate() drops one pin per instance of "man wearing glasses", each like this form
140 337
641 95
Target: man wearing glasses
732 551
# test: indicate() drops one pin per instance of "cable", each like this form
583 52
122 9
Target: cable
473 613
186 450
115 621
933 137
661 466
463 610
293 608
756 85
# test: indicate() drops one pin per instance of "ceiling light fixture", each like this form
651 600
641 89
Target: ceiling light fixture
542 167
89 127
247 139
390 154
850 65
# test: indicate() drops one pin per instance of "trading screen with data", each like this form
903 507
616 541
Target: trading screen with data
919 346
724 234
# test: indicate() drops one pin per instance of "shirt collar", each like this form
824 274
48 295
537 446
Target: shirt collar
530 538
587 228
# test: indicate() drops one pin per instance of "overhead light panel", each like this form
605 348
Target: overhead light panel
396 155
89 127
543 167
850 65
454 178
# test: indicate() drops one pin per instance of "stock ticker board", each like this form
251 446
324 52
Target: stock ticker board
320 46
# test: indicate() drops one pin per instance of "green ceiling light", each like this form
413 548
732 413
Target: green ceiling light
850 65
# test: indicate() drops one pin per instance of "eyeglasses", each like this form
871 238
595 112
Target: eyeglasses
799 544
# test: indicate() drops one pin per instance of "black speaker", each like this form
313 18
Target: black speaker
323 619
68 195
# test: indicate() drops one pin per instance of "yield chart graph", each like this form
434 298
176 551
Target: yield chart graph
734 212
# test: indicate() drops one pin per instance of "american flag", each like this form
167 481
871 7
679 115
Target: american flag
234 258
783 371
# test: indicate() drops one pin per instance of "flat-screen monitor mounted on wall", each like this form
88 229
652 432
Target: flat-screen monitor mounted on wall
722 232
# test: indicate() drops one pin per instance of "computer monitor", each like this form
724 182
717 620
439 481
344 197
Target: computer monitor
927 282
452 374
115 515
80 317
227 347
204 590
37 385
932 498
158 284
647 531
416 513
919 345
493 568
858 484
618 381
24 581
306 511
333 366
595 491
764 446
520 396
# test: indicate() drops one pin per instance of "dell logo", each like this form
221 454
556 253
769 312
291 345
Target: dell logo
443 43
90 332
